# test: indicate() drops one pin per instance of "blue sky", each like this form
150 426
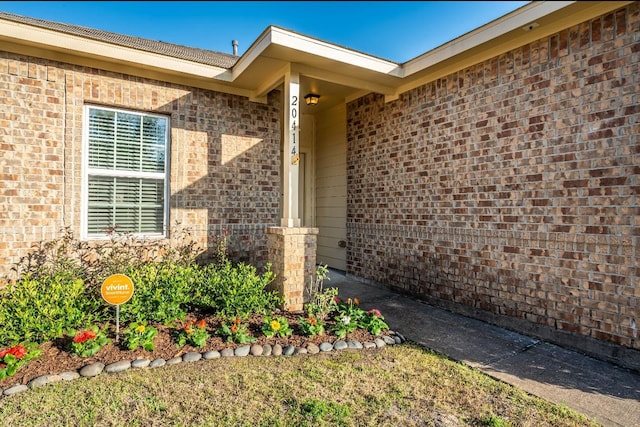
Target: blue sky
394 30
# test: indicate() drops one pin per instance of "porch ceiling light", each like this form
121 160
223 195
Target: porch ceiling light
312 99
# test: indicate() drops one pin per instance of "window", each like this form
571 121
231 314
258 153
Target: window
126 167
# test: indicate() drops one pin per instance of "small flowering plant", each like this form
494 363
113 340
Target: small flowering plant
374 322
311 326
344 325
235 331
349 307
193 333
276 327
87 342
139 334
348 316
12 359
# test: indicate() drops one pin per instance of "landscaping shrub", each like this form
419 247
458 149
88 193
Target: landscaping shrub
51 258
162 293
236 290
44 308
59 286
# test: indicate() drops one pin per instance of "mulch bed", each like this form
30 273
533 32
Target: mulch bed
55 359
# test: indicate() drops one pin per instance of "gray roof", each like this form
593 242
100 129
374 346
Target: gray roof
193 54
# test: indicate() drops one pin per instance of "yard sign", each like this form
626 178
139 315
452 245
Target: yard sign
117 289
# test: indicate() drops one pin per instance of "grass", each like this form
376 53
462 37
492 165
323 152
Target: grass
402 385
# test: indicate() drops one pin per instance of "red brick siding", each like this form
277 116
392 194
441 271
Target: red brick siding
510 187
41 149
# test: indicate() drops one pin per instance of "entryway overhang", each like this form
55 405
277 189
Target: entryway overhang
340 73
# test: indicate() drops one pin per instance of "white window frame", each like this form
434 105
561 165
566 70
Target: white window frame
87 171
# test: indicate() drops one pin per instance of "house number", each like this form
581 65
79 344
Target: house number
295 158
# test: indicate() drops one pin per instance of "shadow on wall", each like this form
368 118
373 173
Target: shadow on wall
225 171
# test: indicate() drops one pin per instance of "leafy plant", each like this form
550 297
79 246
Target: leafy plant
93 261
349 307
139 334
344 325
276 327
14 358
193 333
235 331
311 326
374 322
322 304
37 309
348 316
51 258
316 285
162 292
236 290
87 342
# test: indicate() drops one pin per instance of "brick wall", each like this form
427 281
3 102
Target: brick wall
510 189
225 155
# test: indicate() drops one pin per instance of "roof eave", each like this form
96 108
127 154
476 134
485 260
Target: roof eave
23 38
284 48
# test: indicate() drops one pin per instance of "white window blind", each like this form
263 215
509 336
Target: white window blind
126 172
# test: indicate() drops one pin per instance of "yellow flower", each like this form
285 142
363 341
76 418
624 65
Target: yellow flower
140 328
275 325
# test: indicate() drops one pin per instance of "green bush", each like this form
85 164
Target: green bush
44 308
59 286
231 291
162 292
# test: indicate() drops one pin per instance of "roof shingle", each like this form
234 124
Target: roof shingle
201 56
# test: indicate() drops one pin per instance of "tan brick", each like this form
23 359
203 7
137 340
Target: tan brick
528 184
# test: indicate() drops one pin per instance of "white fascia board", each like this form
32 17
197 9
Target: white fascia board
254 51
484 34
82 46
330 51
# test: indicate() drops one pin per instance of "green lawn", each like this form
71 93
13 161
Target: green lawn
402 385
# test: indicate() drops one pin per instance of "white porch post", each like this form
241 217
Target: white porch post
291 248
291 154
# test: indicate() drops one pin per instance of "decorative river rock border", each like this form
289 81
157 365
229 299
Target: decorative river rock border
97 368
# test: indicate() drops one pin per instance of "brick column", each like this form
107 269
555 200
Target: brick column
292 254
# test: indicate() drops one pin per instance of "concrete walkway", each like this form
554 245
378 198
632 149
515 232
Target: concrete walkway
600 390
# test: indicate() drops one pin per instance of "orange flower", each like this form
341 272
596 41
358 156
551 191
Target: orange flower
234 328
356 301
312 321
83 336
18 351
202 324
238 320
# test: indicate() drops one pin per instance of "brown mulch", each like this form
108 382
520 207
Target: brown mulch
55 358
